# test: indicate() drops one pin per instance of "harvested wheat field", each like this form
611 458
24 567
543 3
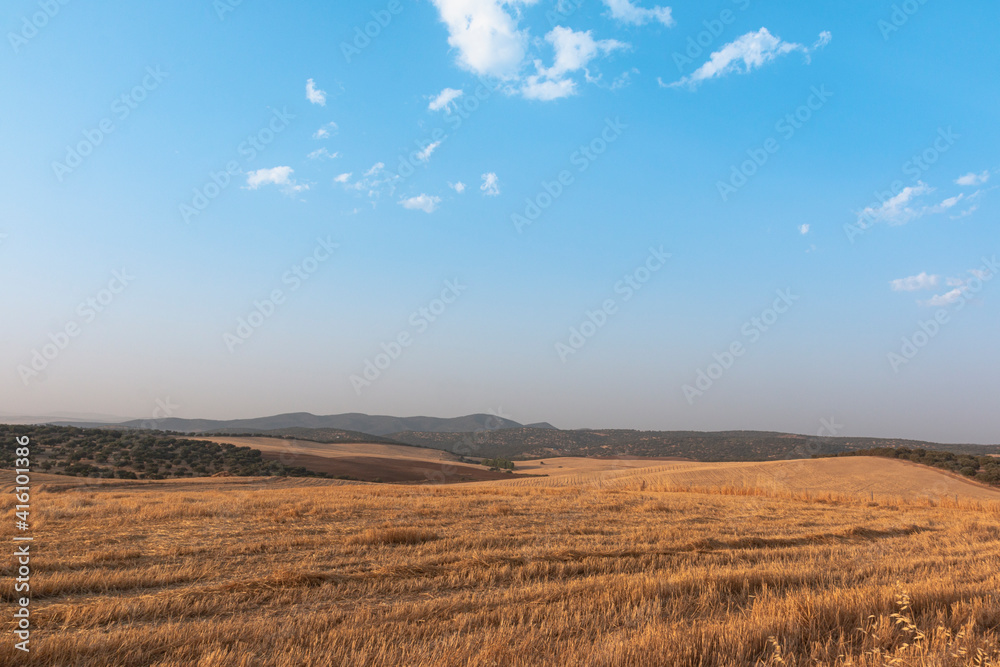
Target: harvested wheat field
630 570
861 476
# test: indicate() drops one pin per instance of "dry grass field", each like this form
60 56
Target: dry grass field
864 477
645 563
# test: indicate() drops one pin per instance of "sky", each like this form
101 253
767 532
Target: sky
597 213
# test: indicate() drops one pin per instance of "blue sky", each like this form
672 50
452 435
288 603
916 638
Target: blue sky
841 155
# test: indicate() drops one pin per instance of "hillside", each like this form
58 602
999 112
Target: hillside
366 461
527 443
353 421
985 469
122 454
331 435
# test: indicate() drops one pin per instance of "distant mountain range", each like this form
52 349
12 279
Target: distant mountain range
482 435
351 421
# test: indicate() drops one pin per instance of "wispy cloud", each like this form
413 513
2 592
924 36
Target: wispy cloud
924 281
444 99
314 94
945 205
458 187
280 176
322 154
804 229
972 178
920 281
491 184
629 13
910 205
896 210
326 131
422 202
425 154
375 182
747 53
945 299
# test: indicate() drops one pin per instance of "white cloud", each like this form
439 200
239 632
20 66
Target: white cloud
973 179
897 210
573 52
326 131
485 35
967 212
627 12
457 187
960 286
803 229
546 91
425 154
444 99
914 283
623 79
948 203
374 183
322 154
946 299
489 42
314 94
951 201
280 176
750 51
971 203
825 38
491 184
425 203
907 206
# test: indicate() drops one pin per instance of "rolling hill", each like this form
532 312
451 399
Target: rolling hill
365 461
352 421
527 443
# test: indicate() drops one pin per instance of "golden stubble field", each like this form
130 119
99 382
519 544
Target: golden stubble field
608 566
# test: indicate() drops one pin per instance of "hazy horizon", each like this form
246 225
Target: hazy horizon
826 427
711 217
